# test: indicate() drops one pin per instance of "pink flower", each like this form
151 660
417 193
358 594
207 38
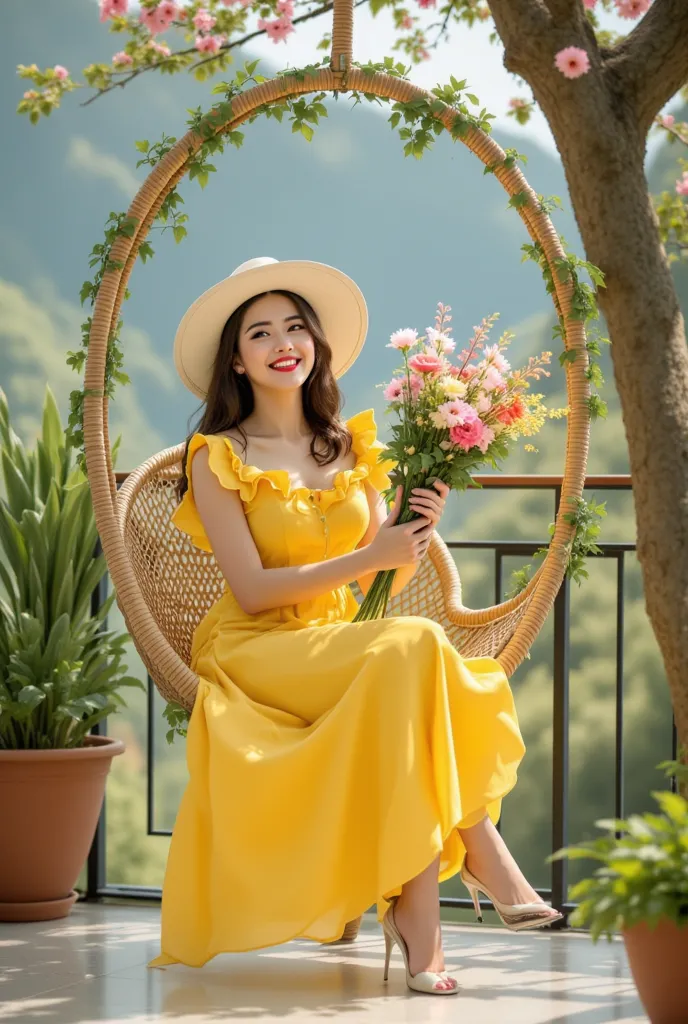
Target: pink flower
161 48
31 95
667 121
572 62
168 11
457 412
209 44
113 9
632 8
417 383
484 403
494 356
394 390
425 4
286 7
122 58
403 339
203 20
515 103
60 72
440 340
426 362
492 379
589 4
406 22
472 435
276 30
153 20
682 185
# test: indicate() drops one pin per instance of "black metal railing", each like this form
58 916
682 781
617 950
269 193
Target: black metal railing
97 885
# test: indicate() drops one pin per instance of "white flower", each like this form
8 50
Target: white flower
440 340
453 387
403 339
438 420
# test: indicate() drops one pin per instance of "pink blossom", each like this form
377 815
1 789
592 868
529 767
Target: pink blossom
425 4
286 7
667 120
472 434
31 95
161 48
406 22
441 340
572 62
515 103
484 403
494 356
417 383
113 9
168 11
60 72
457 412
589 4
153 20
403 339
394 390
632 9
682 185
426 362
122 58
209 44
276 30
424 54
492 379
203 20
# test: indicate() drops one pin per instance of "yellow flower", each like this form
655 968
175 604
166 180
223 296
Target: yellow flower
419 421
410 451
438 420
452 387
448 458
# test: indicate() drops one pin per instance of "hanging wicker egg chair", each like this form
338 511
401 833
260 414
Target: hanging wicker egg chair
164 584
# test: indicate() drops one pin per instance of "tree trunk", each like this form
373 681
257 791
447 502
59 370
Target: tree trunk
600 136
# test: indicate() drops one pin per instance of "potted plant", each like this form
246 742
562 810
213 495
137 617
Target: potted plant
641 890
60 673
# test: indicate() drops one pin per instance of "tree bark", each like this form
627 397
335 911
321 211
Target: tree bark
600 123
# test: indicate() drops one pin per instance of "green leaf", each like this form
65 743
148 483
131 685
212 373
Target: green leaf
142 145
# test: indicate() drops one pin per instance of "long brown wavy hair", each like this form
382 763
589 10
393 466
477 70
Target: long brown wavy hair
230 395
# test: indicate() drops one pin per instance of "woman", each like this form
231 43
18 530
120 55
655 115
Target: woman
332 764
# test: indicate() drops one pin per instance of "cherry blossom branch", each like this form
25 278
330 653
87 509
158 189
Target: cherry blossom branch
224 48
653 59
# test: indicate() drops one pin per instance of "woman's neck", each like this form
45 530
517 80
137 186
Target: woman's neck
277 415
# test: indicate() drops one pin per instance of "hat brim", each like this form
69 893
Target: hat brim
336 299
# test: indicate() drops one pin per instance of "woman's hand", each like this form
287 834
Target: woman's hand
396 545
430 503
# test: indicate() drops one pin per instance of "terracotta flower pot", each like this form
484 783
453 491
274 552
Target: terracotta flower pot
659 961
49 806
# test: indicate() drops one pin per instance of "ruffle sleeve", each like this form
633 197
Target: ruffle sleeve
230 472
370 465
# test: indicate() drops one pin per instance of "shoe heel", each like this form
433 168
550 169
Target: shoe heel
476 902
389 946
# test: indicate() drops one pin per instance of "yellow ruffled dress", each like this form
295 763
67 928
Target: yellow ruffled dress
329 761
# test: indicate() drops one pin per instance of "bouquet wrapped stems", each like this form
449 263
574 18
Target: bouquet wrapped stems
374 604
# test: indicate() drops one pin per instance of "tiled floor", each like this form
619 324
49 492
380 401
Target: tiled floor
92 967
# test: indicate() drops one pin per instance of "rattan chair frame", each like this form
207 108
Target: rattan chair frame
507 629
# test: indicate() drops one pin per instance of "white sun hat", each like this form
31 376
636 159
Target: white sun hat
336 299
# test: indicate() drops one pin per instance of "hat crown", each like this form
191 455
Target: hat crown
259 261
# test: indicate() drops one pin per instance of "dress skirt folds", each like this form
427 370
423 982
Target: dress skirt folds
329 761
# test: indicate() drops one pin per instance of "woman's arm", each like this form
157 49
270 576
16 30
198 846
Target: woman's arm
258 589
378 514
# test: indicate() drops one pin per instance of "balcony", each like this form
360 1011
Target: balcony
92 967
596 718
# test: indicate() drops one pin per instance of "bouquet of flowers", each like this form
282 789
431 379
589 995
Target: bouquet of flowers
454 417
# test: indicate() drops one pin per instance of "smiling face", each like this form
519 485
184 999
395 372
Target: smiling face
275 347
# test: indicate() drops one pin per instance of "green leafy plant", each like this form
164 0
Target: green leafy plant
60 669
643 872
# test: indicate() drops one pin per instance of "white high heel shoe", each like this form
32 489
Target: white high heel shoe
517 917
424 981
